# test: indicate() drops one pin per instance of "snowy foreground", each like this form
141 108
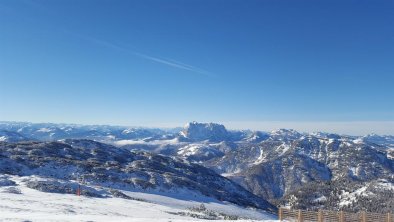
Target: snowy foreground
34 205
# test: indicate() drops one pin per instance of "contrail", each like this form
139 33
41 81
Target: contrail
107 44
167 62
173 63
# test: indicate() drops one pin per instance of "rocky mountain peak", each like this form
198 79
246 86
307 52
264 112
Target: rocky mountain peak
195 131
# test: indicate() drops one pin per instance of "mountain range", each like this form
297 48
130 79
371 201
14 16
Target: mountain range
284 167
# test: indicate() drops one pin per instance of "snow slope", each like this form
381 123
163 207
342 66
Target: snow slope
33 205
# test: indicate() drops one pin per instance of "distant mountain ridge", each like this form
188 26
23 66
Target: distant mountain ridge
11 136
52 132
191 132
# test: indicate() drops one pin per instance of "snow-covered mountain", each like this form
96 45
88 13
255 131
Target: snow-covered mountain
273 165
348 195
387 141
110 167
103 133
213 132
285 135
10 136
257 137
22 200
278 166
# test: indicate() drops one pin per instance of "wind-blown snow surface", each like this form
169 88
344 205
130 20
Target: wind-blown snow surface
33 205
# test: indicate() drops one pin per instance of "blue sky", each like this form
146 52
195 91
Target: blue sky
247 64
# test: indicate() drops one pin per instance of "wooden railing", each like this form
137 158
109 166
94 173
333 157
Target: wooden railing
332 216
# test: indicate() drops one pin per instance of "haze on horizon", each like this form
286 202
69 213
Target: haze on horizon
260 65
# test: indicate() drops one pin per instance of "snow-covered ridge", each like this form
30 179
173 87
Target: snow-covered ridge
20 202
11 136
108 166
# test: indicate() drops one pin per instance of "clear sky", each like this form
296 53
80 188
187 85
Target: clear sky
249 64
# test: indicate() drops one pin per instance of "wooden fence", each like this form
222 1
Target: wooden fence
332 216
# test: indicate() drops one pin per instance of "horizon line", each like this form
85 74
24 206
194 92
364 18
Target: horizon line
264 126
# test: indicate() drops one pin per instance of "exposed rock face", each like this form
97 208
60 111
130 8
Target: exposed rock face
205 131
